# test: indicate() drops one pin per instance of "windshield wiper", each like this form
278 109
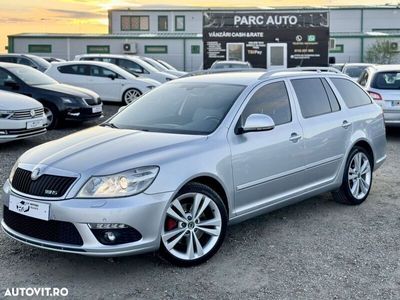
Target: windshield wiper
112 125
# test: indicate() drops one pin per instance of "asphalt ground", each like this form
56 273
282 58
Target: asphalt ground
316 249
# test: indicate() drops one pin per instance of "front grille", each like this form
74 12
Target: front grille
26 114
24 131
45 186
52 231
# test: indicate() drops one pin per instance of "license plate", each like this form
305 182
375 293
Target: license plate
97 109
34 124
30 208
396 103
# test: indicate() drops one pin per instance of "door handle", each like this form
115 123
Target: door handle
346 124
294 137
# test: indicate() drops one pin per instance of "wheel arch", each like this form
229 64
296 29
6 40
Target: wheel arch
367 147
214 184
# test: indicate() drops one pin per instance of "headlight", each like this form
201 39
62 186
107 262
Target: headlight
14 168
150 87
70 100
123 184
168 79
4 114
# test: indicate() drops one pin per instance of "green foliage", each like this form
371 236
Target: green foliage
381 53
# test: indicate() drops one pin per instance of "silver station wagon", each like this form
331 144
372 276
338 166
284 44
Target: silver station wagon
173 169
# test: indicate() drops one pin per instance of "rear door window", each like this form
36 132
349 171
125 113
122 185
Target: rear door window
8 59
75 70
312 96
351 93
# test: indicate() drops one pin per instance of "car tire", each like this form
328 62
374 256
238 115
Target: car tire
357 178
52 115
130 95
194 226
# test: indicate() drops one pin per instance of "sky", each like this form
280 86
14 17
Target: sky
90 16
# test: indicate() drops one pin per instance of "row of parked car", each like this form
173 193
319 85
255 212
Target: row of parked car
72 90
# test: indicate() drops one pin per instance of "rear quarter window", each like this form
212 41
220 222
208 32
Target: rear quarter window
351 93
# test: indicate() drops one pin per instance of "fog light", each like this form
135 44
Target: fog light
110 236
74 114
107 226
3 132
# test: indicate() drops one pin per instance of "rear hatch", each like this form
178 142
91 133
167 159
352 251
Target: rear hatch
385 89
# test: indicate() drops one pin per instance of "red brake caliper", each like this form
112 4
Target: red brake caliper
171 224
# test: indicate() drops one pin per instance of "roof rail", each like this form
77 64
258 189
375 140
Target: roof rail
218 71
300 69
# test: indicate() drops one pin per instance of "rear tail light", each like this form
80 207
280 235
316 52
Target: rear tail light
375 96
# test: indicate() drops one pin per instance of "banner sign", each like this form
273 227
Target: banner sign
246 36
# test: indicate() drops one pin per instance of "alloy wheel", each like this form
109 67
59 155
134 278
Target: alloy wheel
49 116
131 95
359 175
192 226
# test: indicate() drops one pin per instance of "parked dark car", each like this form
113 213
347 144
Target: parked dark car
33 61
60 101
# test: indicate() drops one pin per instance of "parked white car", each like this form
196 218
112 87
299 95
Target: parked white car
111 82
21 117
354 70
130 63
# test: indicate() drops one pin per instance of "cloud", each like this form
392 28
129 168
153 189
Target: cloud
76 14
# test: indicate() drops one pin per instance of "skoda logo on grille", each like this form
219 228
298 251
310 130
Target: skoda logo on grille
33 113
35 174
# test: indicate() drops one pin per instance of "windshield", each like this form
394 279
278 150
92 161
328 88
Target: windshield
31 76
387 80
44 64
167 65
354 72
185 108
155 64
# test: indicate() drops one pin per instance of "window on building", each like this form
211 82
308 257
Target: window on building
339 48
135 23
98 49
155 49
195 49
272 100
179 23
351 93
39 48
162 23
313 101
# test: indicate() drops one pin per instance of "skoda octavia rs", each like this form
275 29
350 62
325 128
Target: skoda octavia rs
172 169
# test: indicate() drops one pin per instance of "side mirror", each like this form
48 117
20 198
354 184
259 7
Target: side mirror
257 122
11 84
112 77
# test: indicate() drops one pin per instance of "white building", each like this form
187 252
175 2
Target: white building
175 34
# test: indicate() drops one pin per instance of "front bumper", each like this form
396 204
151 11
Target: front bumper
11 130
81 114
143 212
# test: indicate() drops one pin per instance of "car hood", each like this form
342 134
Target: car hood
176 73
69 90
103 150
12 101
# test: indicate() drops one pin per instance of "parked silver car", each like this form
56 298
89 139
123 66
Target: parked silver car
171 170
383 84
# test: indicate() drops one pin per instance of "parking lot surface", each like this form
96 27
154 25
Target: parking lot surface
316 249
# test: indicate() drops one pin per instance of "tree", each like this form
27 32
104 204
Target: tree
381 53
